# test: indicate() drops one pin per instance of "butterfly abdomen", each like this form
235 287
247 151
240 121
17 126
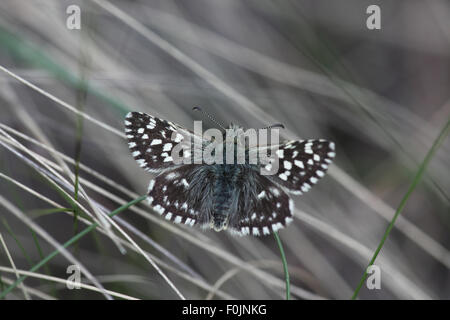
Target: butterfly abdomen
225 179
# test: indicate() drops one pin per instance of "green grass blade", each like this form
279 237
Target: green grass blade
285 266
442 135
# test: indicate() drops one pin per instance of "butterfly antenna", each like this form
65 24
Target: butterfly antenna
276 125
209 116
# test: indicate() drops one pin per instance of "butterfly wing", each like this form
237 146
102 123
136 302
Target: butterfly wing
268 208
151 141
302 164
263 206
183 194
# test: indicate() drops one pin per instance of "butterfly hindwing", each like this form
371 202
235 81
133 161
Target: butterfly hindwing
263 209
183 194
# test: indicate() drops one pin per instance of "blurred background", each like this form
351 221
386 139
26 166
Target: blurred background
381 95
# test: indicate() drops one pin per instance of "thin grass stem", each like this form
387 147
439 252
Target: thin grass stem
443 134
285 266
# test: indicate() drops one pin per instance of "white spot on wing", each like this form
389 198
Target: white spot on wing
299 164
159 209
332 146
167 147
177 219
280 153
141 162
277 226
185 183
151 185
287 165
245 230
275 191
155 142
171 176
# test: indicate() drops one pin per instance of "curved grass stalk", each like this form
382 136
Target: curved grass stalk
285 267
443 134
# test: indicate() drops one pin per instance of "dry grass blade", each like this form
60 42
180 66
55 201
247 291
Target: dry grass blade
14 269
64 281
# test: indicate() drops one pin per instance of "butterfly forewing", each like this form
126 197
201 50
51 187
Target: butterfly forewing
302 164
151 140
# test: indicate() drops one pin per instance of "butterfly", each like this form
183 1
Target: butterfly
232 197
